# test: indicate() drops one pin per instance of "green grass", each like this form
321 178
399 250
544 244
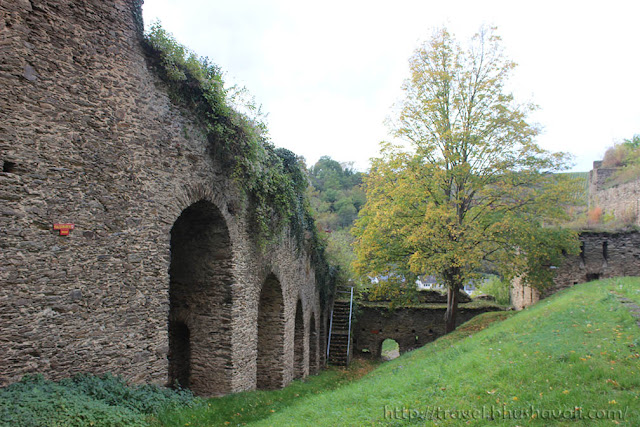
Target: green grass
631 292
246 408
577 349
243 408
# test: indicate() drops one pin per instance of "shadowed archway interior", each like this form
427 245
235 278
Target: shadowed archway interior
313 346
200 301
298 343
270 361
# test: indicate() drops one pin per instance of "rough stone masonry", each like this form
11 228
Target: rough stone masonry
410 327
602 255
160 279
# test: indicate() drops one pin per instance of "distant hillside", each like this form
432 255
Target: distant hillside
582 187
336 197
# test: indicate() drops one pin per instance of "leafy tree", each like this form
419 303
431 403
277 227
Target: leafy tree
336 197
335 194
475 190
346 212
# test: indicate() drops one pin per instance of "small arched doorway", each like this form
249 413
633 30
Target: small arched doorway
389 349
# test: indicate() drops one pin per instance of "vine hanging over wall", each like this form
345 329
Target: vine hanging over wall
237 141
273 178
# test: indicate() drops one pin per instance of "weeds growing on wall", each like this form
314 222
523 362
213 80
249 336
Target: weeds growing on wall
237 141
272 177
625 158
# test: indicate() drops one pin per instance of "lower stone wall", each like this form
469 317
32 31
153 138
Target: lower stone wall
621 201
603 255
522 295
409 327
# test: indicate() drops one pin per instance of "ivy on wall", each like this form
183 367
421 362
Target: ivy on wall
273 178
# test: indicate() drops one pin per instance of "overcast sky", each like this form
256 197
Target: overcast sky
327 73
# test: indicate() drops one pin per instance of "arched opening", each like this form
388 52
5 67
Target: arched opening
270 362
298 343
389 349
313 346
200 301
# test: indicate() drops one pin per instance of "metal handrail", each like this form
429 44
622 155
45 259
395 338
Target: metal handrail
329 339
349 331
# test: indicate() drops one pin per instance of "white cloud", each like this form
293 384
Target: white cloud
327 73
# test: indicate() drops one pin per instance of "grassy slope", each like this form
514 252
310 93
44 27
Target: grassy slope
243 408
576 349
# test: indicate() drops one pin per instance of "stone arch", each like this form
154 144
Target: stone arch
298 342
200 301
313 346
270 359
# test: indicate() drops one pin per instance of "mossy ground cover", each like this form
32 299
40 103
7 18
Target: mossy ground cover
245 408
85 400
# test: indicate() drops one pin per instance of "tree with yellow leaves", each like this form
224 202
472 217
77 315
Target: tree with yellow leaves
475 191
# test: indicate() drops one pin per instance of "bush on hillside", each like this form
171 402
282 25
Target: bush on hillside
497 288
626 157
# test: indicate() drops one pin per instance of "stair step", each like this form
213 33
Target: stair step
340 324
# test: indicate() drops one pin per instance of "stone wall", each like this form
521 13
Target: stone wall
522 295
161 279
603 255
410 327
621 201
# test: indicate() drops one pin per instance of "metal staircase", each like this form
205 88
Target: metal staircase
339 343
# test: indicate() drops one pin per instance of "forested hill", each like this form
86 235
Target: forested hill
336 197
336 194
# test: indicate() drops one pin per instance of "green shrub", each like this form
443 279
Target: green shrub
624 156
113 390
85 400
